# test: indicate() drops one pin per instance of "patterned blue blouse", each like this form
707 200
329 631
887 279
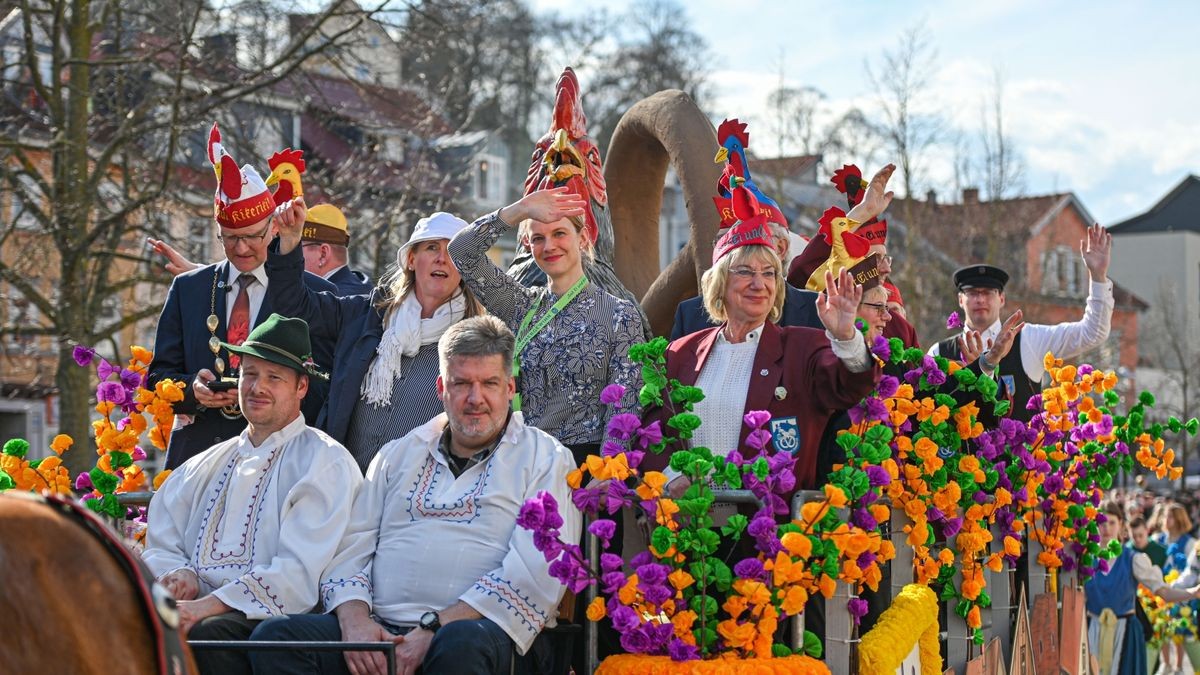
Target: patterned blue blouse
565 366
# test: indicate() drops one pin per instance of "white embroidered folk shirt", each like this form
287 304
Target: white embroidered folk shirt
421 540
258 525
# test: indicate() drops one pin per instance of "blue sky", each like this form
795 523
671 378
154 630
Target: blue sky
1101 98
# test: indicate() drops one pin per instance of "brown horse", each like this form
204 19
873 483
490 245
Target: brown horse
69 604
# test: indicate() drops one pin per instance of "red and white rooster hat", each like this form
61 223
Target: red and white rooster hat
242 198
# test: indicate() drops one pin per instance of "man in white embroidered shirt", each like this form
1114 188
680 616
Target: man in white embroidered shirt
433 559
242 531
1017 350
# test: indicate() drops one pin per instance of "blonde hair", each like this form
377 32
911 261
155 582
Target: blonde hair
585 244
398 281
715 281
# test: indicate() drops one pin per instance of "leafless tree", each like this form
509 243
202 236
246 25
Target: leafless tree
902 78
1003 169
99 102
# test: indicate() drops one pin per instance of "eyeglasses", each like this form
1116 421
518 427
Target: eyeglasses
887 259
877 306
747 273
249 239
980 292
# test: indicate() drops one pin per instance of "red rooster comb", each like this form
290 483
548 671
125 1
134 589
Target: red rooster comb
568 111
826 222
289 156
733 128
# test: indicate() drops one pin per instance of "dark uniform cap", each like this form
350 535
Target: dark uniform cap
980 276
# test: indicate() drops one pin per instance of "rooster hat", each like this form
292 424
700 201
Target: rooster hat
750 229
242 199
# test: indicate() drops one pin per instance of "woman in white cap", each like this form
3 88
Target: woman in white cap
573 338
385 365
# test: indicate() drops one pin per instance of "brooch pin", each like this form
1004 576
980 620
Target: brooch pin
780 393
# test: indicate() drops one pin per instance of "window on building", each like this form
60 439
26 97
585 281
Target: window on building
19 312
490 178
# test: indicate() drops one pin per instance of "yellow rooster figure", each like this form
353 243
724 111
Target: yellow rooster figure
286 168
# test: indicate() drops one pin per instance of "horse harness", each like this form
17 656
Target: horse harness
156 602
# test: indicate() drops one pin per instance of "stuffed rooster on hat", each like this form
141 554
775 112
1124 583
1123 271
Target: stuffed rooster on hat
734 139
241 198
286 168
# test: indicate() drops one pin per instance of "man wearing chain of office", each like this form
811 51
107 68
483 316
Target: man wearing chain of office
223 302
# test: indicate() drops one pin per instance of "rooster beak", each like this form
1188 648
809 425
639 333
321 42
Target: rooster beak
272 179
561 141
722 155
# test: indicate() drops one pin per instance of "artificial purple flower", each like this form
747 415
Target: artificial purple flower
758 439
622 426
1053 483
881 348
83 355
954 321
548 544
1034 402
131 379
610 562
550 508
105 370
612 394
643 558
634 458
857 608
869 408
865 560
755 419
138 454
637 641
951 526
682 651
586 499
888 386
863 518
624 619
749 568
611 582
604 529
657 594
651 574
650 434
617 494
611 449
83 481
878 476
935 376
112 392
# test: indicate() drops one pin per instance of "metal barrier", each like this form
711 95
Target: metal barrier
388 648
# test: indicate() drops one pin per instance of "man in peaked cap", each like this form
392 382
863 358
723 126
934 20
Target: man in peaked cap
284 491
221 303
1017 350
325 242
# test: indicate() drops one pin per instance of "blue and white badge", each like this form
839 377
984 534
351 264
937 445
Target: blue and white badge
945 453
785 434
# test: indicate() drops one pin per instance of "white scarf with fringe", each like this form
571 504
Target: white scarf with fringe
403 336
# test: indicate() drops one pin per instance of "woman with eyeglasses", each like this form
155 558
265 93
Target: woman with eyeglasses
573 337
801 376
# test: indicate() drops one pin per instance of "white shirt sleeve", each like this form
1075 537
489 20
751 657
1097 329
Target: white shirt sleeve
166 523
852 352
349 574
315 515
1068 340
1151 577
520 595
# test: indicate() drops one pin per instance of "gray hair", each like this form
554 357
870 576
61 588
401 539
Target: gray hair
477 336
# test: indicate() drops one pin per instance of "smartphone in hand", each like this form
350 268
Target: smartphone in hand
223 384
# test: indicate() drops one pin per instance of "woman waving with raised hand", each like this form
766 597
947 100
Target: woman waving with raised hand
573 338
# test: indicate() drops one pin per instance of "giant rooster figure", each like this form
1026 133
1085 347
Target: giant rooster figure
567 156
286 168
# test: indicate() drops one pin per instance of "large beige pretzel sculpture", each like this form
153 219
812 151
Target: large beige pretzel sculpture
664 130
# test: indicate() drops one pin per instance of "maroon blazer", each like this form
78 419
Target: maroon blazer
800 360
899 327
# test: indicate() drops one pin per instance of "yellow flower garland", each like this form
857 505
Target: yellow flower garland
642 664
914 611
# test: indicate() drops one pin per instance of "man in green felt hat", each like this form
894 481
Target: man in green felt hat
241 532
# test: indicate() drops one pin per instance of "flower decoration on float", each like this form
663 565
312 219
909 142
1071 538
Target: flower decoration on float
681 599
123 403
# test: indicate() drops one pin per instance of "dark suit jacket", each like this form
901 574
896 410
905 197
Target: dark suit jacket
815 384
799 309
352 323
181 350
350 282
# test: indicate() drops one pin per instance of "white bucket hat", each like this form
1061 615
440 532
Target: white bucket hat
440 225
